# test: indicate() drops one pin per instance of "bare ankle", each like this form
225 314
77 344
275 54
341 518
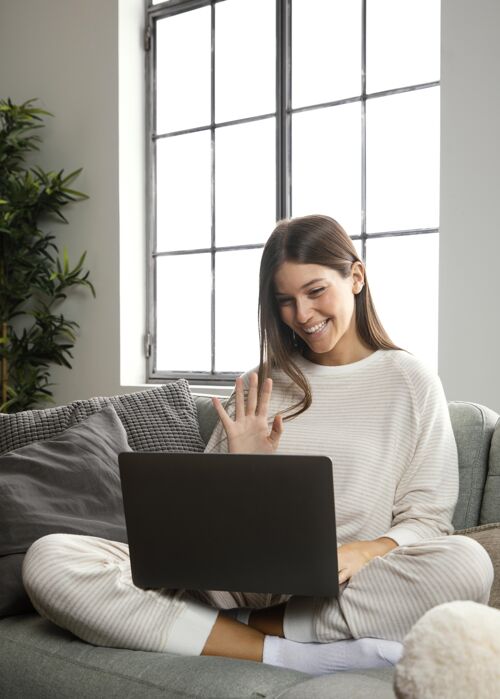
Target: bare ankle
268 620
230 639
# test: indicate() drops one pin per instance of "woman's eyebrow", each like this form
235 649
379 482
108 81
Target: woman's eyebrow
313 281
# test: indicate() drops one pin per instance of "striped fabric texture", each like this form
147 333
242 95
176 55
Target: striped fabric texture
384 422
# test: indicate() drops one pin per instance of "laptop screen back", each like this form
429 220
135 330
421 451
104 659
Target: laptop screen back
238 522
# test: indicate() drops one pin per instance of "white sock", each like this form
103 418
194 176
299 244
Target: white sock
241 614
323 658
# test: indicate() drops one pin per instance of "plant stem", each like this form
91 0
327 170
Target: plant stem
5 366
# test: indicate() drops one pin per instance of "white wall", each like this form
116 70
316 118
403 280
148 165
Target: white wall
66 53
85 62
469 304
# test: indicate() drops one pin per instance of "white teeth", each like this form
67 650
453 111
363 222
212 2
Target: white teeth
315 328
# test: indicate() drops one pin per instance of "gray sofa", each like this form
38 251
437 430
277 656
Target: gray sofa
40 660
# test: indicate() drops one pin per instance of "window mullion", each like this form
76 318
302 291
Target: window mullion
283 117
151 319
363 131
212 128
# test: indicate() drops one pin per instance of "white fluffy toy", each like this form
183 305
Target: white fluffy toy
452 652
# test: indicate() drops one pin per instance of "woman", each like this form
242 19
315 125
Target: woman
333 383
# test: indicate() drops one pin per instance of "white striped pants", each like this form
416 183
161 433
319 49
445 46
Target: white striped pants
84 584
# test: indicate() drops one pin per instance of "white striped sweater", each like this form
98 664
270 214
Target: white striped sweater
385 424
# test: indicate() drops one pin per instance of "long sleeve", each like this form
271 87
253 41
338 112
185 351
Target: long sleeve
427 492
385 424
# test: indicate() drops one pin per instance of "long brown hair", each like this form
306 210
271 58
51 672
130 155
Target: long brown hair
317 240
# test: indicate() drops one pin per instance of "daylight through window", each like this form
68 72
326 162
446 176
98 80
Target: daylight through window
264 109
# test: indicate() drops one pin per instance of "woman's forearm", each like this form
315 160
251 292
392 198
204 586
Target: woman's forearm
352 557
379 547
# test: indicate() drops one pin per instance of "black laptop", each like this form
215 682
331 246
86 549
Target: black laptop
238 522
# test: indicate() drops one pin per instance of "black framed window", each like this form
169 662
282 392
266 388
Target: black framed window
264 109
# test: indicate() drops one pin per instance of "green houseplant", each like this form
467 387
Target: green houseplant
34 276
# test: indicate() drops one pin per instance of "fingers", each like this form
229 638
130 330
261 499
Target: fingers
276 431
255 404
239 398
224 417
265 397
252 394
344 575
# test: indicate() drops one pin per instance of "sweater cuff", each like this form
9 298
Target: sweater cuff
403 536
298 619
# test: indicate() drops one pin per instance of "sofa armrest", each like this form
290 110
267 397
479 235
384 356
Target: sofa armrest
488 535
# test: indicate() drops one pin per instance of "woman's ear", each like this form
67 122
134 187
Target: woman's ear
358 275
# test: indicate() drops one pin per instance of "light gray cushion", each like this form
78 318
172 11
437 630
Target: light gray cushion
62 667
359 684
473 426
207 416
162 418
40 660
490 508
68 484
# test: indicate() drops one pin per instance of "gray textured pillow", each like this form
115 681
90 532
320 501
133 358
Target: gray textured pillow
163 418
69 484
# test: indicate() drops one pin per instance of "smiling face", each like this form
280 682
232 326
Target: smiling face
319 306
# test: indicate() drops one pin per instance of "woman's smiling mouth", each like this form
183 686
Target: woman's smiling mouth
316 330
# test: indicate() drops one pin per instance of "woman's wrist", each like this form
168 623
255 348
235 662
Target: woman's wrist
380 547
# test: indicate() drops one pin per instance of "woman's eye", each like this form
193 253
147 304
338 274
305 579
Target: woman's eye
284 302
317 291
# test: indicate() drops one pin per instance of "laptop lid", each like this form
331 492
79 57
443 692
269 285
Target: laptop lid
237 522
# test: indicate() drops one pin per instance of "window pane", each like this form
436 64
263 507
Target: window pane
402 161
358 246
183 302
245 182
183 169
326 164
236 297
403 273
245 59
183 67
326 50
402 43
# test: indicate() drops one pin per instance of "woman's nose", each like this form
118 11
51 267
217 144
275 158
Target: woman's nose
302 311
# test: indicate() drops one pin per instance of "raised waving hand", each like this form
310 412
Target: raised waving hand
249 432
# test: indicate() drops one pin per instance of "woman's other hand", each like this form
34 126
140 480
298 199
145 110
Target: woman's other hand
249 433
352 557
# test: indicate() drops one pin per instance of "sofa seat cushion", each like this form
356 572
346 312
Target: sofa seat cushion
63 667
362 684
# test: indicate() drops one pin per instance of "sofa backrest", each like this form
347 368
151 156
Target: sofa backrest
207 415
490 508
477 434
473 426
